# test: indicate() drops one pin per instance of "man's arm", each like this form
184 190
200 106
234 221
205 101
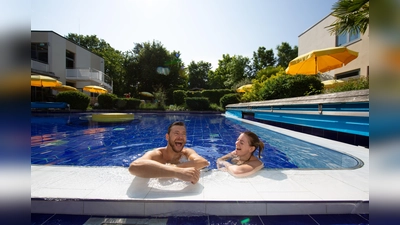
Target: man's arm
148 167
195 160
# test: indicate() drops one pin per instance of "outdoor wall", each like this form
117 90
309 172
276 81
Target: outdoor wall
37 37
82 58
96 62
57 64
318 37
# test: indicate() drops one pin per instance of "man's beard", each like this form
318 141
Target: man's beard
174 149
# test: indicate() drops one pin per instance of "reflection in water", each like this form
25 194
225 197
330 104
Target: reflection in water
74 139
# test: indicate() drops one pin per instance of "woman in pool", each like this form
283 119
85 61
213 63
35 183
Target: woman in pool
242 161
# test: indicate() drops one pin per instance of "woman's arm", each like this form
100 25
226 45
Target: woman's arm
222 162
243 170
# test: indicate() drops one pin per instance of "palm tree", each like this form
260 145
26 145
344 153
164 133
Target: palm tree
352 17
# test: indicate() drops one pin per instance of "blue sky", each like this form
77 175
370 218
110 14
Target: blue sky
200 30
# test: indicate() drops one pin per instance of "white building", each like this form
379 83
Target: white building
319 37
53 55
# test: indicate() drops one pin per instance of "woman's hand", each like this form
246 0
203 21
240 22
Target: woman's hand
223 165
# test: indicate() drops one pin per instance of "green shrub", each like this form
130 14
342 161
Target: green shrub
176 108
119 103
197 103
151 106
229 99
193 94
106 101
132 103
287 86
216 107
216 94
179 97
349 85
126 103
75 99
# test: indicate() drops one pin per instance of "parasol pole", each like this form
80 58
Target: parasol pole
316 66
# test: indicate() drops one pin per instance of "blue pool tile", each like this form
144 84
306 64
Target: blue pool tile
37 219
288 220
62 220
239 220
365 216
188 220
81 143
342 219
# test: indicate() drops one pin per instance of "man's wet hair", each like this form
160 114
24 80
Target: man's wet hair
177 123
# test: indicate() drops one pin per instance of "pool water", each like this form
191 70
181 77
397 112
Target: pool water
73 139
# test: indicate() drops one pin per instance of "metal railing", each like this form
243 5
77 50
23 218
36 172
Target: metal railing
39 66
90 74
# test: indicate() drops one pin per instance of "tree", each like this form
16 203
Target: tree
198 74
215 81
154 68
268 72
352 17
232 70
263 58
286 54
113 59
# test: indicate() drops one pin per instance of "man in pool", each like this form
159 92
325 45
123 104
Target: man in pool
174 160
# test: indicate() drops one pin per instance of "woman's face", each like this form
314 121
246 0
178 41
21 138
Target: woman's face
243 145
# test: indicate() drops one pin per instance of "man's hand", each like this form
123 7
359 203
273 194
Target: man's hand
189 174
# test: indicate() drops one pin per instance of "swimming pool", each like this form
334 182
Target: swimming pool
73 139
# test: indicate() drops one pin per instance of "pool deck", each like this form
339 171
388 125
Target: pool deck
113 191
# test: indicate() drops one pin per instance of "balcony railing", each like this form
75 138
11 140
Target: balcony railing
39 66
90 74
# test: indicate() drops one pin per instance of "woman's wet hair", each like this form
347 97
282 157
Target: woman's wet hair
255 141
177 123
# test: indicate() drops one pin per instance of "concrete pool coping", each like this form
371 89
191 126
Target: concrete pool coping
113 191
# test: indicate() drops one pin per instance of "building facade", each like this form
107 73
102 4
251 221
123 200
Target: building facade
319 37
55 56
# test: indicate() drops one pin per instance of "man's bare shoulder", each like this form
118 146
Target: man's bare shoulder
157 152
189 152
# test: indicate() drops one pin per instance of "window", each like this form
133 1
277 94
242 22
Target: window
39 52
347 38
348 75
70 60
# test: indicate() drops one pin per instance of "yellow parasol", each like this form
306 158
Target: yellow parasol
147 94
322 60
95 89
331 82
44 81
64 88
244 88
